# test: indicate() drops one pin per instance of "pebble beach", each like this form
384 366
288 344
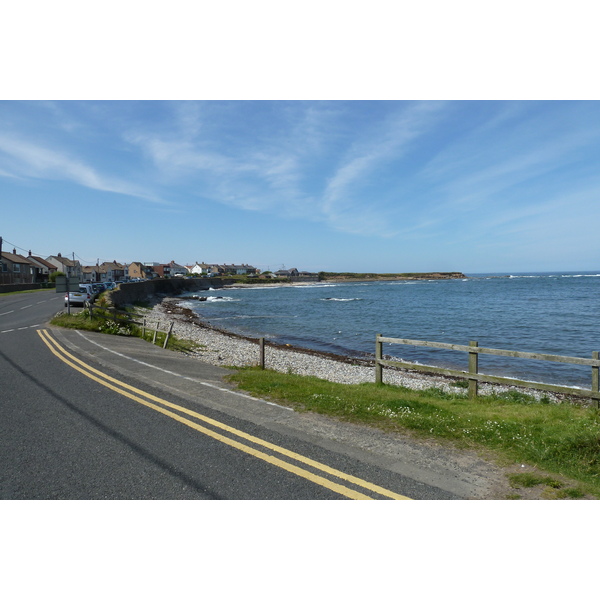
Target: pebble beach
222 348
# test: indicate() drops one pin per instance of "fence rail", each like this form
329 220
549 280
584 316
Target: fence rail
112 312
473 376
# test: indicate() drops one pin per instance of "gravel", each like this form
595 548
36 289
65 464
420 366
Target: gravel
224 349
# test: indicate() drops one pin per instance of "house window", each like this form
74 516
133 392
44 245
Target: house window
16 268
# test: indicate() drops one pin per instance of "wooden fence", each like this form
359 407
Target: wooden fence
474 377
112 313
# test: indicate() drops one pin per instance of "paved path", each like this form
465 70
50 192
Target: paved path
87 415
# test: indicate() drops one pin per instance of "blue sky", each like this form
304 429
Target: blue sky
383 186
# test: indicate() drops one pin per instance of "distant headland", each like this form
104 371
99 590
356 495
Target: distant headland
328 276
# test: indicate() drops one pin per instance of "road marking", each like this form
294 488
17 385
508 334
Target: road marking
24 307
21 328
7 313
340 489
126 389
205 383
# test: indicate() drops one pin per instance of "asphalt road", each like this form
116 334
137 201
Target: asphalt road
92 416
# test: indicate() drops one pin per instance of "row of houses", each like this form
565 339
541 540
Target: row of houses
137 270
17 269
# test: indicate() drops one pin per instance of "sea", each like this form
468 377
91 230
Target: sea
550 313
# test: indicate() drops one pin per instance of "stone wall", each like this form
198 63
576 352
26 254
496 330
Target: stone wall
128 293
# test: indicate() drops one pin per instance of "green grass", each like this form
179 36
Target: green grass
561 439
176 344
119 326
568 494
25 292
554 489
78 320
528 480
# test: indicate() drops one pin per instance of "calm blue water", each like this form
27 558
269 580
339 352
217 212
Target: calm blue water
553 313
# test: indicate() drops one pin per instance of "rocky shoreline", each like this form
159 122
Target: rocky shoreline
224 348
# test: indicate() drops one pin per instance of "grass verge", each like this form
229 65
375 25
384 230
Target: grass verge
25 292
119 325
562 439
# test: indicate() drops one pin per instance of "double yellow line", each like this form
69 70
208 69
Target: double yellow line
158 404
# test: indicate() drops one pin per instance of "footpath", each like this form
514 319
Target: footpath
463 474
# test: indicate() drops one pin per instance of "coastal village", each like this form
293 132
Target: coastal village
19 269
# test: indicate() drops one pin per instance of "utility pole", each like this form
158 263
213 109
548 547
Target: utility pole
68 293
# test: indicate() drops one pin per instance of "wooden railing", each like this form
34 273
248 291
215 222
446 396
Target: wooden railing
129 318
474 377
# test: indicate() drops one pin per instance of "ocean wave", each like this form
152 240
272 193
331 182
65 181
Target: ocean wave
196 298
222 299
256 286
554 276
315 285
253 317
340 299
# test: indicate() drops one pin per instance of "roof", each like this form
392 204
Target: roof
96 268
64 261
41 261
112 265
15 258
285 271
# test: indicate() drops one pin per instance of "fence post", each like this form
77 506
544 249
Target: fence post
473 368
378 357
144 328
596 375
168 335
155 332
261 353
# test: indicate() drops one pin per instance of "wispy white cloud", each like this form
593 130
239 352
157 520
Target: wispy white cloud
497 176
9 175
346 205
26 159
252 171
506 154
298 160
252 181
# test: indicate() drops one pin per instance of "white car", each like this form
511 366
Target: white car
85 294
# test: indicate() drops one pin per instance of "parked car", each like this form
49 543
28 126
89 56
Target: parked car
85 294
89 287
